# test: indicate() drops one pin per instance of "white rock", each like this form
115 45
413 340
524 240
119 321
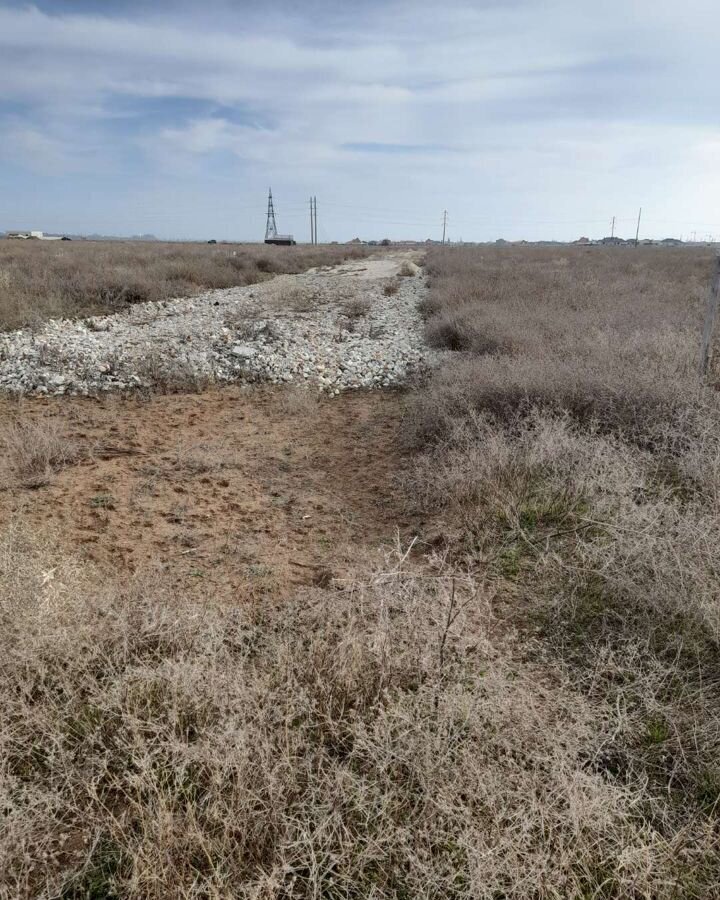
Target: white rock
243 351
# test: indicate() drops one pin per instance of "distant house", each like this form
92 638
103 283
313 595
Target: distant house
281 240
582 240
32 235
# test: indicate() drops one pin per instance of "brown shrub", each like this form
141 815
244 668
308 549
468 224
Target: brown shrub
33 451
368 742
390 288
170 375
82 278
608 337
579 465
407 270
356 307
298 400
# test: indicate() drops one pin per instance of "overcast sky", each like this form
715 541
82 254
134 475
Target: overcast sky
523 118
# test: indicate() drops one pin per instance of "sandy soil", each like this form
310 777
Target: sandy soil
375 268
237 491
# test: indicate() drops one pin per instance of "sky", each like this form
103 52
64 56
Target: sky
524 119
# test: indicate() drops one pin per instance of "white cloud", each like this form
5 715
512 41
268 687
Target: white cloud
527 111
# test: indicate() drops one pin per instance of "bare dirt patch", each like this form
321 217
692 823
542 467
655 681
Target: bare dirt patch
233 491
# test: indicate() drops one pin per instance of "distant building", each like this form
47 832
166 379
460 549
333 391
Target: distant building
281 240
32 235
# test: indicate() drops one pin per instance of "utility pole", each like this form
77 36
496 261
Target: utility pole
637 232
315 218
444 225
612 228
312 225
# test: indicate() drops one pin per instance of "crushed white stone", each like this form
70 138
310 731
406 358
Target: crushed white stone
300 328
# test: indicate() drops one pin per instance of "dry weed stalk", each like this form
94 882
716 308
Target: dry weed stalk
158 747
46 280
575 456
32 451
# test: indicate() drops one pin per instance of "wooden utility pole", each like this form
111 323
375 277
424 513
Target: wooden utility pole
612 228
444 225
637 232
315 217
710 315
312 224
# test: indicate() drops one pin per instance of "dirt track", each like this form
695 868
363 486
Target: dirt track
236 491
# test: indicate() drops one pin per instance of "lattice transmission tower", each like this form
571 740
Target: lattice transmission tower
271 227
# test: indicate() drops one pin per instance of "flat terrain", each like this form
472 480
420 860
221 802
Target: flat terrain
455 637
351 325
43 280
240 492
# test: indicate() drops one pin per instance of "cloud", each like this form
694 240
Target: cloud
35 149
402 149
506 112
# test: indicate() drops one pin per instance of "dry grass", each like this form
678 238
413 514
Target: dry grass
605 335
160 373
32 452
408 270
70 279
298 401
390 288
356 308
371 742
576 456
296 298
546 727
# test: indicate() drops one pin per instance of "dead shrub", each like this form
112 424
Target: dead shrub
407 270
170 375
299 400
84 278
297 298
202 457
356 308
578 466
265 264
157 747
32 451
390 288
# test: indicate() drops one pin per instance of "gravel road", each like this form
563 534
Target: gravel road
335 328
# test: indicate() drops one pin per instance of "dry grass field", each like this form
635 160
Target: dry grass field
78 278
575 455
518 697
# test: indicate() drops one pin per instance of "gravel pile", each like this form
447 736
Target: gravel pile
334 328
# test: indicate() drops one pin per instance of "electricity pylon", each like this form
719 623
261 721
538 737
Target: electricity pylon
271 227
